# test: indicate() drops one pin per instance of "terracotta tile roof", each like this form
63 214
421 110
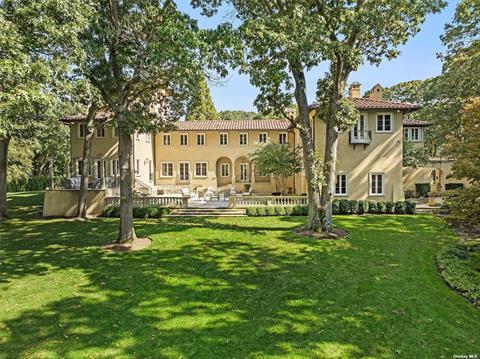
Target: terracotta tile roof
415 123
370 104
99 116
233 125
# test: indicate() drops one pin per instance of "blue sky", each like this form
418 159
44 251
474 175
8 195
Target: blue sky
417 60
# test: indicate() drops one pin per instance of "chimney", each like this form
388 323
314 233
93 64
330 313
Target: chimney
376 93
354 90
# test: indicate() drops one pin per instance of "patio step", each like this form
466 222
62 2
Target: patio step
208 212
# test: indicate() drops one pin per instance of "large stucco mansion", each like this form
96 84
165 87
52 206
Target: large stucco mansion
215 154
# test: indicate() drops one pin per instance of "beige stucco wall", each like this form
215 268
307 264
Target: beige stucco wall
63 203
213 153
106 149
382 155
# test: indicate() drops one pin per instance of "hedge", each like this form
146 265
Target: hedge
342 206
35 183
138 212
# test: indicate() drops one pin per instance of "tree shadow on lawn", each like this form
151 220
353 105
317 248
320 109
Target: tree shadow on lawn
234 290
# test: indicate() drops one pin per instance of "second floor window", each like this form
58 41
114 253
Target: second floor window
341 184
262 137
224 139
282 138
167 139
115 132
100 131
384 122
200 139
413 134
243 139
183 139
82 130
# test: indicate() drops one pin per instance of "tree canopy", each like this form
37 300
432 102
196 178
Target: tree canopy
201 106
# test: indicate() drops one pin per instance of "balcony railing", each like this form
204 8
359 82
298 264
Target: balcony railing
262 179
360 137
242 179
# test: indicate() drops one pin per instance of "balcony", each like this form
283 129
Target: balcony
360 137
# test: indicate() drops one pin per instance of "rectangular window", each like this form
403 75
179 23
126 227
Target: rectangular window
79 167
376 184
115 132
225 169
200 139
137 167
282 138
341 184
100 131
166 169
201 169
115 169
98 169
150 171
167 139
384 122
244 172
183 139
243 139
223 139
148 138
82 130
184 171
262 137
413 134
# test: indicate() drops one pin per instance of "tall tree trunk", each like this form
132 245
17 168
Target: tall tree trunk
4 142
315 212
87 149
125 156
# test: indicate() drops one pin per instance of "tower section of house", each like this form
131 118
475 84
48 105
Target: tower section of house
215 154
104 152
369 164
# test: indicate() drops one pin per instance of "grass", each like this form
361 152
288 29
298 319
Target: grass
228 288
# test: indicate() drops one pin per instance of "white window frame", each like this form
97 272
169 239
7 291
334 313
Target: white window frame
200 135
115 168
227 166
220 138
392 121
100 127
188 172
180 139
260 137
148 137
280 136
114 132
408 131
166 136
167 175
80 126
243 135
340 194
370 183
206 169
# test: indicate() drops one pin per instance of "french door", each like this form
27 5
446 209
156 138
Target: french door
184 171
359 130
244 172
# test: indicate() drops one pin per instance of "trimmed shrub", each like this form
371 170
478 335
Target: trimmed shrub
270 211
422 189
138 212
390 207
261 211
251 211
335 206
108 211
362 207
288 210
300 211
279 211
343 206
410 207
353 206
400 207
372 207
410 193
381 207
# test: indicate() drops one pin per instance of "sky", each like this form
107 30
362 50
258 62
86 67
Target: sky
418 60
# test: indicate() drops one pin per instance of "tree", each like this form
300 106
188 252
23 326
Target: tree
145 58
239 115
201 106
414 156
282 40
409 91
279 160
32 61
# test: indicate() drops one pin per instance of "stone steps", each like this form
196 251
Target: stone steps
208 212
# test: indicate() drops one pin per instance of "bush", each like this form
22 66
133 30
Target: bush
422 189
464 206
344 206
458 265
390 207
138 212
288 210
362 207
279 211
410 193
261 211
410 207
300 211
372 207
34 183
335 206
251 211
269 211
108 211
381 207
400 207
353 204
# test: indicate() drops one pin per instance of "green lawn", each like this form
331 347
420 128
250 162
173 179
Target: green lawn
228 288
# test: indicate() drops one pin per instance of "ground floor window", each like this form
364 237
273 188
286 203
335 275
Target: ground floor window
201 169
184 171
225 169
115 168
376 184
244 172
341 184
166 169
